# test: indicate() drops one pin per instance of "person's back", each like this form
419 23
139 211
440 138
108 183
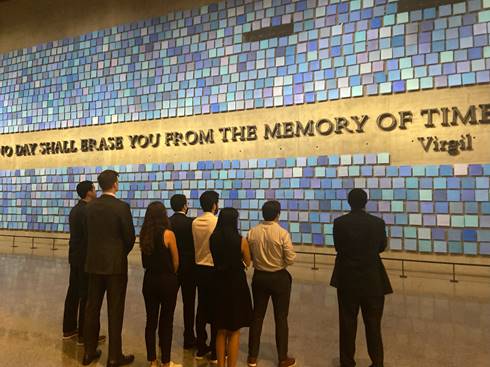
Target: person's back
270 246
110 235
233 308
110 239
272 251
160 260
182 226
202 228
359 238
360 278
78 237
76 295
226 249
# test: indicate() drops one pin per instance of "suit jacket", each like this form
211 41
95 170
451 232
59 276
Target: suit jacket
359 238
78 235
182 227
110 236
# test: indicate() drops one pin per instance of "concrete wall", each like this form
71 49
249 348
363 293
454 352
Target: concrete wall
26 23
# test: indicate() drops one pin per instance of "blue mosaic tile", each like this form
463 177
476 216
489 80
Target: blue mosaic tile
137 79
415 208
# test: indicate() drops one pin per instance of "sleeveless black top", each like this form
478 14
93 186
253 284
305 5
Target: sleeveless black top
160 260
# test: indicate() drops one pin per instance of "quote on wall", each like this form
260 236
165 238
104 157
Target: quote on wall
430 120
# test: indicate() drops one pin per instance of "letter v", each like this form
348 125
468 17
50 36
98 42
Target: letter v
426 146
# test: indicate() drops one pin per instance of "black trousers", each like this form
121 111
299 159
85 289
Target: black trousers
372 312
206 294
187 283
275 285
160 293
115 286
75 301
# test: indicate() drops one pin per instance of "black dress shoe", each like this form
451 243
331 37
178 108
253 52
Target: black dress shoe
202 352
189 344
87 359
122 362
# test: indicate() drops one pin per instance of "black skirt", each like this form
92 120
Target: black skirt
233 304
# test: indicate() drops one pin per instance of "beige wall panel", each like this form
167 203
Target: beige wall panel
25 23
402 145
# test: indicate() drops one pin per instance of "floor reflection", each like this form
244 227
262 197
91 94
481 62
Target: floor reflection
428 321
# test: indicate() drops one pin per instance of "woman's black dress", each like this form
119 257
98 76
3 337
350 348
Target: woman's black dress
233 308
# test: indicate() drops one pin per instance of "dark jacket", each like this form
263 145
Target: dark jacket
110 236
78 235
359 238
182 227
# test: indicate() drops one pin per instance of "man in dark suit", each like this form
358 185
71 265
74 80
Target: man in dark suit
182 227
360 278
76 296
110 239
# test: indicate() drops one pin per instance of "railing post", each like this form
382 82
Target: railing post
54 248
13 242
403 270
314 262
32 244
453 280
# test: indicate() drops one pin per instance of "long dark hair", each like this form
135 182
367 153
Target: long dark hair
228 221
156 220
225 234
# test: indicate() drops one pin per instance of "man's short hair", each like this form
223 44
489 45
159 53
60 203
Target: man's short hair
357 199
208 199
177 202
84 187
107 179
271 209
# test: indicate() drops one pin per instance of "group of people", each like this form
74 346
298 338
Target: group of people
208 254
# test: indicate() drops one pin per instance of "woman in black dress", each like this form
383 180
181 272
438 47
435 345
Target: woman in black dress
160 285
233 311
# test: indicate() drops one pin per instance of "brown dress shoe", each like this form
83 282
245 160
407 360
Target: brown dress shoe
288 362
70 334
252 361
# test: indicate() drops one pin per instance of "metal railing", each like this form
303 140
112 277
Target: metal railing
33 238
314 254
403 261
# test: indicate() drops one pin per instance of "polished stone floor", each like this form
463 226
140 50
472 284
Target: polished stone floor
428 321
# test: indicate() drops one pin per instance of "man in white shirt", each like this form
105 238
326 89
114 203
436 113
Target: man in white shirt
202 228
272 251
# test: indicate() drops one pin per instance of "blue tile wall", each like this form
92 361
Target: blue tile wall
196 62
415 201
